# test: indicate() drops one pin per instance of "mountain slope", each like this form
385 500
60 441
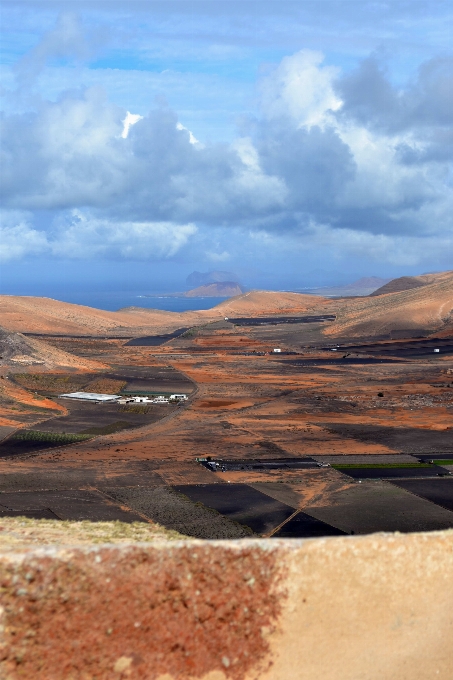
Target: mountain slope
44 315
427 308
17 350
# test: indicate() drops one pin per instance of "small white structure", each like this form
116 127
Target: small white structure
437 350
277 350
143 400
178 397
90 396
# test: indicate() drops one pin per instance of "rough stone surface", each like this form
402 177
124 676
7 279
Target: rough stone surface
355 608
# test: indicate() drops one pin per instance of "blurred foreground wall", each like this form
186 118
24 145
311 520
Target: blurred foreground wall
378 607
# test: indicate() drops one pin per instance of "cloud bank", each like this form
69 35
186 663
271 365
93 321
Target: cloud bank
342 159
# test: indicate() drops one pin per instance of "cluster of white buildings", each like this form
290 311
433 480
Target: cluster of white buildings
153 400
121 399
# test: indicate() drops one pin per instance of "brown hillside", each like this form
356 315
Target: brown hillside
397 285
428 308
44 315
263 302
409 282
222 289
16 350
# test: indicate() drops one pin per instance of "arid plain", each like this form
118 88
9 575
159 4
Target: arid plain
347 429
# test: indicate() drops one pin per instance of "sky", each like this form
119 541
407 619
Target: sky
294 143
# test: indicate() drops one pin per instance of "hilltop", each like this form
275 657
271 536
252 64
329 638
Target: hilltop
47 316
409 282
423 309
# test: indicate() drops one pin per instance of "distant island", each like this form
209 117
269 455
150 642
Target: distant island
196 279
221 289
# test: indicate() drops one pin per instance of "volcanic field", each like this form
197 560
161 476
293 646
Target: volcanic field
346 429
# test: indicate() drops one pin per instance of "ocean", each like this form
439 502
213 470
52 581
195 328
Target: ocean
112 301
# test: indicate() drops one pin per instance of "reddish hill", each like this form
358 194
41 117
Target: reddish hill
427 308
44 315
16 350
408 282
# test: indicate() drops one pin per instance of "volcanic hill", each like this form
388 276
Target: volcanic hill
47 316
16 350
421 310
222 289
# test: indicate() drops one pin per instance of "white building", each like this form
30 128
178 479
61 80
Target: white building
90 396
178 397
160 400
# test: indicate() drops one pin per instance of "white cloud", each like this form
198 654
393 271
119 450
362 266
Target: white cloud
83 236
218 257
18 238
140 186
131 119
392 249
301 88
192 139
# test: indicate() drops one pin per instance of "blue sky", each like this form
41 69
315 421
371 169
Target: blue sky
290 142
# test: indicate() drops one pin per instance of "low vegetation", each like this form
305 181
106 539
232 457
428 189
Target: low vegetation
111 428
51 438
19 531
142 409
105 385
52 383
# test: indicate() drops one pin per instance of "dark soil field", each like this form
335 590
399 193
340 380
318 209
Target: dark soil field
305 526
151 380
414 348
155 340
279 320
219 465
96 419
391 471
66 505
332 361
439 491
380 506
32 441
404 439
174 509
241 503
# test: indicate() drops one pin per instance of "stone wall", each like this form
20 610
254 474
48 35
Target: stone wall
378 607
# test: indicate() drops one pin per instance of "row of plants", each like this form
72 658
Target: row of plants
48 437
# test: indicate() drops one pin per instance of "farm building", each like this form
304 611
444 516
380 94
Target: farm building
90 396
143 400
